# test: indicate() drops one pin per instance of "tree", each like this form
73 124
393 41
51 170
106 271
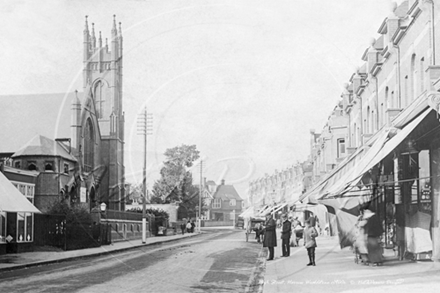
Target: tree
175 183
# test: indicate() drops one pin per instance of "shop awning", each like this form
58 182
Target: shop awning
12 200
271 209
363 164
377 155
350 171
248 213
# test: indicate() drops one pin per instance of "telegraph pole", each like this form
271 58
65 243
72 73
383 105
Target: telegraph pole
200 197
145 124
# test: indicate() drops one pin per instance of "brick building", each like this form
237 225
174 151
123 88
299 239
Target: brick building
391 105
74 140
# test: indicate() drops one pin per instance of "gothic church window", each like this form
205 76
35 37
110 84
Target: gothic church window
32 166
48 166
99 98
89 143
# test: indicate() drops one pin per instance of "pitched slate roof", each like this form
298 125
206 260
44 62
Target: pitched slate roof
227 192
42 146
11 200
24 116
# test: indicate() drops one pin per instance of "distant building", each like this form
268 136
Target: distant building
223 202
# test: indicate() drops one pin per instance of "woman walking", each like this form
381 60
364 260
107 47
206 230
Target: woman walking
374 230
310 234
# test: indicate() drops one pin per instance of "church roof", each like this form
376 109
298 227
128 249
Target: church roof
42 146
24 116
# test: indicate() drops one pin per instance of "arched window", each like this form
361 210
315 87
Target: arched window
406 92
368 122
89 146
394 103
32 166
353 137
413 78
99 98
381 115
48 166
422 74
358 136
373 121
387 101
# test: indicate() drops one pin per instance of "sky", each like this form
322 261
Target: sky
243 80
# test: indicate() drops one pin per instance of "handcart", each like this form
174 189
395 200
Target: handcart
253 225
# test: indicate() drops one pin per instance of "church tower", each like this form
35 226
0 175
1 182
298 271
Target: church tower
102 82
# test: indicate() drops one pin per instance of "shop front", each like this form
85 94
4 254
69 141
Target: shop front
16 219
398 178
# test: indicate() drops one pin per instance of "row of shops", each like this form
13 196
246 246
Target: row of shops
396 174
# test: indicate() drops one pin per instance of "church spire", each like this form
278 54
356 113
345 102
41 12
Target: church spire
100 40
114 29
86 28
93 36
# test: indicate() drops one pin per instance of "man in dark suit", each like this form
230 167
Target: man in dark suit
270 235
286 231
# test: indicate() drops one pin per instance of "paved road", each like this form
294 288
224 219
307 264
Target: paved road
218 261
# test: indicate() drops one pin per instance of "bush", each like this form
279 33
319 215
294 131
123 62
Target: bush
72 213
158 213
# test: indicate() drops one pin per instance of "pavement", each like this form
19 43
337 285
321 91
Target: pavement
14 261
336 271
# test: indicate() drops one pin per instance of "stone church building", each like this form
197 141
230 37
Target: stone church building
73 141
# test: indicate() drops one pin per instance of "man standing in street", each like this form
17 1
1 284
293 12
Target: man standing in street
270 235
286 231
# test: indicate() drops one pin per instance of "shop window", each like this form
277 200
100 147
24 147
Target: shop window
424 185
17 164
22 189
25 227
2 227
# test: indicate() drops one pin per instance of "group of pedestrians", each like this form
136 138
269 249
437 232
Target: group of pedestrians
187 227
270 238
